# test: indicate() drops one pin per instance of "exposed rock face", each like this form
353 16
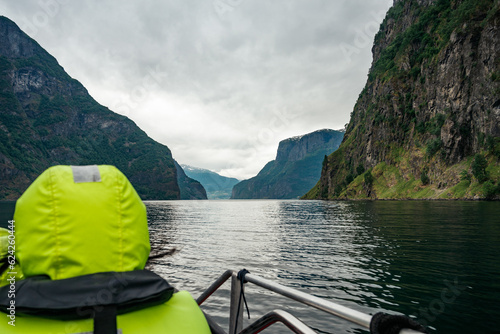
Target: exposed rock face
48 118
14 44
431 102
296 169
297 148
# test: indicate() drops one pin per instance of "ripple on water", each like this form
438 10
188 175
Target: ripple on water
370 256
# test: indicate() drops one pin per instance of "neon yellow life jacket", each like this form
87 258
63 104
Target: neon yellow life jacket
75 221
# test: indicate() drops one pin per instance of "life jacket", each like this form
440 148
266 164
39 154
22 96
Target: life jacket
78 228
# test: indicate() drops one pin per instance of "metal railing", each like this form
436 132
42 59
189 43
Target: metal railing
294 324
236 307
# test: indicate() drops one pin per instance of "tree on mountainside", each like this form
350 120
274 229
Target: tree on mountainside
479 168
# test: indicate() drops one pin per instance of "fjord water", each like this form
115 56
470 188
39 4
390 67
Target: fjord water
436 261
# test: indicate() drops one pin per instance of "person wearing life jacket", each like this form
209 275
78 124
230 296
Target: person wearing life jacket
82 241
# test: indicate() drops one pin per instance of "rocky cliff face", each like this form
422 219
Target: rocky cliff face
297 148
48 118
13 42
296 169
430 105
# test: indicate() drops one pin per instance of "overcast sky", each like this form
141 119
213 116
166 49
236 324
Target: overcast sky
220 82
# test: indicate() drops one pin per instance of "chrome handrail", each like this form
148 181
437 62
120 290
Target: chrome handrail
236 316
215 285
338 310
294 324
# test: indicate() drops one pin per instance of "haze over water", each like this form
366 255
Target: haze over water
433 260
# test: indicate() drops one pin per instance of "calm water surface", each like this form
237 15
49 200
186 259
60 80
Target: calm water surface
436 261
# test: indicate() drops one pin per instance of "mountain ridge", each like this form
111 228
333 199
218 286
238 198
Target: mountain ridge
48 118
295 170
190 188
216 185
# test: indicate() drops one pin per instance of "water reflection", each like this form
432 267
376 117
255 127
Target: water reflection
163 226
396 256
443 244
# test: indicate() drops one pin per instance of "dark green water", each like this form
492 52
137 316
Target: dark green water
436 261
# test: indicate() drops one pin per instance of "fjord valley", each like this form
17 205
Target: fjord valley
425 126
295 170
216 185
48 118
427 123
189 188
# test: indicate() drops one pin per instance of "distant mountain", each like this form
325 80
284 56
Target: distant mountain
190 188
296 169
47 118
217 186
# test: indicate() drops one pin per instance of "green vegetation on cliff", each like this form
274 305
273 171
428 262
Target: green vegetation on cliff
47 118
427 123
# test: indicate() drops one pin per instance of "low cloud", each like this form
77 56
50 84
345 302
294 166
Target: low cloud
219 82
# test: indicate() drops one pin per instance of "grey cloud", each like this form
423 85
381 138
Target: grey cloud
214 87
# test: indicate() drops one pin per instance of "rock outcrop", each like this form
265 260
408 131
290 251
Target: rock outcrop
431 104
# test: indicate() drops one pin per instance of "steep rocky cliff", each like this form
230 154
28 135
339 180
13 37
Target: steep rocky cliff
296 169
48 118
427 123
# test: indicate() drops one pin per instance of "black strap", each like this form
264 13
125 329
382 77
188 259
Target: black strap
241 277
81 297
384 323
105 320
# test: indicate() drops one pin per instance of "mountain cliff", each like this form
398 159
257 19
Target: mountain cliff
217 186
427 123
48 118
296 169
